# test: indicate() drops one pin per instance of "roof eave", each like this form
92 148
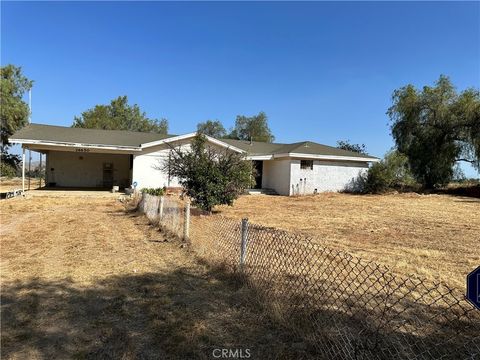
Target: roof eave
74 145
189 136
327 157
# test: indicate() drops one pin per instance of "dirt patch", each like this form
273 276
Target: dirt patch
83 279
430 236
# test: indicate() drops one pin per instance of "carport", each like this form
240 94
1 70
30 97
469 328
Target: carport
82 158
82 167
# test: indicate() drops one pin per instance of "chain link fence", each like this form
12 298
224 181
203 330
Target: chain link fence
166 212
342 306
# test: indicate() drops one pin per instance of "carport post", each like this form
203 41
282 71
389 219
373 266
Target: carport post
40 185
29 167
23 169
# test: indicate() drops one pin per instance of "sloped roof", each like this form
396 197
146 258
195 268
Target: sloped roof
85 136
69 135
304 147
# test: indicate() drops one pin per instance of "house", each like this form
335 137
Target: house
77 157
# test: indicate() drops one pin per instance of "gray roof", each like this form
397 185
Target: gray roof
304 147
71 135
85 136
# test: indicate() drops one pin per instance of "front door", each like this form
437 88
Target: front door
258 171
107 175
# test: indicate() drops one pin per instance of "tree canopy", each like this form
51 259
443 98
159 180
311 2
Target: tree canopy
209 177
119 115
14 112
253 128
346 145
436 127
212 128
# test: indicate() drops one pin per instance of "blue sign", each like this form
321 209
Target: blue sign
473 287
134 184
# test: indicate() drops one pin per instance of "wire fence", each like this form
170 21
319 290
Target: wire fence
168 213
342 306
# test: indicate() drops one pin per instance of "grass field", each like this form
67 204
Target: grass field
432 236
83 279
7 184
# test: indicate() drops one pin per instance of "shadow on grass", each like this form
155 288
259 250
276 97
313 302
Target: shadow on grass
472 191
184 313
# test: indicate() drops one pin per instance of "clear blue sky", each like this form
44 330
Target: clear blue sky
321 71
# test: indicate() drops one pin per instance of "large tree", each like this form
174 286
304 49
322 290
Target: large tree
14 112
253 128
212 128
209 176
119 115
436 127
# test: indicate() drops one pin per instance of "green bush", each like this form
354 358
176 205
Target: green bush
210 177
7 170
154 191
377 179
391 173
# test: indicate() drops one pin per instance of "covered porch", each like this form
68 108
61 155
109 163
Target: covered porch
81 168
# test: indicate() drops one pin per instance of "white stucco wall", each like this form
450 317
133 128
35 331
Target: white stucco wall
145 173
325 176
276 176
144 166
72 169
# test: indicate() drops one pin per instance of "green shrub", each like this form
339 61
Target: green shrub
7 170
390 173
377 179
210 177
154 191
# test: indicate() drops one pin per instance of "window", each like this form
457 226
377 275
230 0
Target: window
306 164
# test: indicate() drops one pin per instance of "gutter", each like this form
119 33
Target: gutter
74 145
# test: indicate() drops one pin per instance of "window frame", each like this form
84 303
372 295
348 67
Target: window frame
306 164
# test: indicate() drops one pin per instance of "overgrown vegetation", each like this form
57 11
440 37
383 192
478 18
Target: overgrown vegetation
209 176
392 172
154 191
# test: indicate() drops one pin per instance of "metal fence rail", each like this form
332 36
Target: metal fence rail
344 307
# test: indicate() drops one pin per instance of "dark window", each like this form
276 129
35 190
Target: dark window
131 162
306 164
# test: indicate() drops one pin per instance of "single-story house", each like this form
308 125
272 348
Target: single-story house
77 157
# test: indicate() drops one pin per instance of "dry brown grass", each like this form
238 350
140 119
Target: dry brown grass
432 236
8 184
83 279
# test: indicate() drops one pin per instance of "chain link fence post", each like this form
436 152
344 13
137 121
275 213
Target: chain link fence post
243 244
186 222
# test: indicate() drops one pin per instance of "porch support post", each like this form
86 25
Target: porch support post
29 167
40 171
23 169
